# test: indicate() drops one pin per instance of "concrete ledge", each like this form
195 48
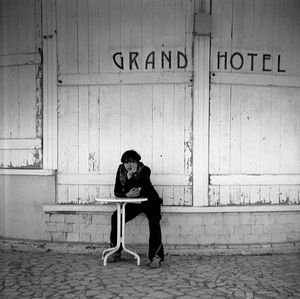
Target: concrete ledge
172 209
97 248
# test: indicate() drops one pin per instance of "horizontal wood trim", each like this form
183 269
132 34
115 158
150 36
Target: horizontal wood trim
20 59
245 180
255 79
20 143
125 78
183 210
33 172
98 179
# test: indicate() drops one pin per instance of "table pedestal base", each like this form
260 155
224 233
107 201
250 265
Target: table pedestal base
120 237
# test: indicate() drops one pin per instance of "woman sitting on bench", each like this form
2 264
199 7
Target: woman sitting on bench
133 180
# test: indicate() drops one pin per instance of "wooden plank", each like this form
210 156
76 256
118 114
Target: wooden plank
250 130
93 37
125 78
168 129
28 172
157 146
73 130
178 128
248 33
29 110
115 28
199 127
83 35
168 195
11 100
237 24
20 158
178 199
49 78
235 129
225 129
188 132
109 179
172 25
109 129
255 79
136 24
136 137
188 195
234 195
20 143
214 196
224 195
126 110
189 28
275 131
266 135
157 24
226 35
61 36
72 36
94 127
289 133
19 59
83 129
147 29
147 119
248 180
214 148
63 134
103 36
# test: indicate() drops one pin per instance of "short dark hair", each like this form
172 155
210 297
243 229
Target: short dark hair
130 156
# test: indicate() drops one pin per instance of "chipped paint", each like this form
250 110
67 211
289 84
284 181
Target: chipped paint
93 163
38 102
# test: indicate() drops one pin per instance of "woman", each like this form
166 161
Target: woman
133 180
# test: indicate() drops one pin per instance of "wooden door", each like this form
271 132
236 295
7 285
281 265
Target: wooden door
20 84
125 82
255 102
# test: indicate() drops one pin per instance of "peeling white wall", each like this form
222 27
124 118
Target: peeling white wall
21 205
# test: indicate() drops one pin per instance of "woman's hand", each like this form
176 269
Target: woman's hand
131 169
134 192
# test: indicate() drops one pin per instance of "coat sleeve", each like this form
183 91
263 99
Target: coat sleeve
119 190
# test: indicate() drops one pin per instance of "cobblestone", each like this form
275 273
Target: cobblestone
25 274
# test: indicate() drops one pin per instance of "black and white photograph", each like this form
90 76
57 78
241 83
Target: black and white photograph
150 149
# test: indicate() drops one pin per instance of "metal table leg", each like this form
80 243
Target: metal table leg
107 252
123 237
120 236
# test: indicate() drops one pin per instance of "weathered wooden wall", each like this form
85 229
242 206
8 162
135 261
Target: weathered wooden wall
104 110
20 84
255 102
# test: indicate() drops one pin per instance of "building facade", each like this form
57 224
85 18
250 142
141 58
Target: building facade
208 92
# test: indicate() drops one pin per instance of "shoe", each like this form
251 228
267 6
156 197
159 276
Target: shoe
155 263
115 257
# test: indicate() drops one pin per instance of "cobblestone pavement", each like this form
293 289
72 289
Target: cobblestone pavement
26 274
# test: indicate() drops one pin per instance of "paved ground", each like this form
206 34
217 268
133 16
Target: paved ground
56 275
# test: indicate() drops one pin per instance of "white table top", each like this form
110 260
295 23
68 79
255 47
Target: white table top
121 199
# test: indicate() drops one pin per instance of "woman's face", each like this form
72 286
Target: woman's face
131 166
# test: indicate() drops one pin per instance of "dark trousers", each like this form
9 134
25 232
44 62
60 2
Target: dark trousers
152 212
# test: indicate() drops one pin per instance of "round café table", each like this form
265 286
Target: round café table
121 203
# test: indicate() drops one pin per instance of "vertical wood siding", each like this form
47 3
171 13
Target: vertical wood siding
98 121
255 127
20 84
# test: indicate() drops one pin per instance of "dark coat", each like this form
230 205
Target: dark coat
139 179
